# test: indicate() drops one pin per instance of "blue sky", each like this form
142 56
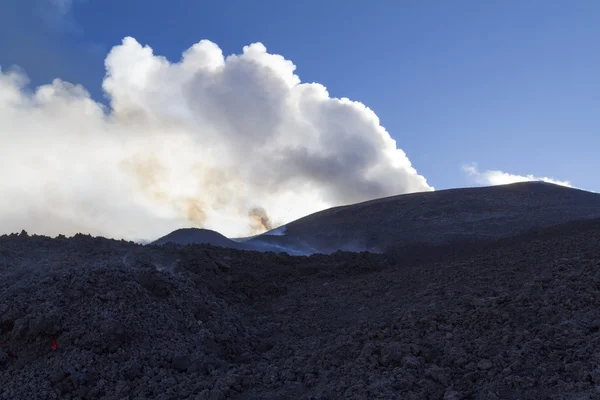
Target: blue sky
511 86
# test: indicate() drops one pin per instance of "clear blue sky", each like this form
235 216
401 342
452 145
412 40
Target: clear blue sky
511 85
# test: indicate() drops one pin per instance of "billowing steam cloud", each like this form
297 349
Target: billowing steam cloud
496 177
200 142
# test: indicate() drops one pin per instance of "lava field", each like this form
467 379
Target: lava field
92 318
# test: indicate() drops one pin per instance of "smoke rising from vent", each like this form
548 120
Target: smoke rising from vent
260 219
199 142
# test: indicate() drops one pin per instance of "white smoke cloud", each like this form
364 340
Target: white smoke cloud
200 142
495 177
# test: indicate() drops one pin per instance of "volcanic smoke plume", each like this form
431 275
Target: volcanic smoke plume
198 142
260 219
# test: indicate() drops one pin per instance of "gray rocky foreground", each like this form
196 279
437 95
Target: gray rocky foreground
91 318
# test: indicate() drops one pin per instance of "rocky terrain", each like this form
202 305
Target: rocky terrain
91 318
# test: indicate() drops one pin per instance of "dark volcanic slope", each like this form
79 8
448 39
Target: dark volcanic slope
197 236
514 319
188 236
438 217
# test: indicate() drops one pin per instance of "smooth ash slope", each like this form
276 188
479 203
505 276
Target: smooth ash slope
438 217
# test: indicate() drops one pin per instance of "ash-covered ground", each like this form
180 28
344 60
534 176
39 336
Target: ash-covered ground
90 318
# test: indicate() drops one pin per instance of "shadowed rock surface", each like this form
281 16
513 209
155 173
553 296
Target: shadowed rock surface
438 217
514 319
509 318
